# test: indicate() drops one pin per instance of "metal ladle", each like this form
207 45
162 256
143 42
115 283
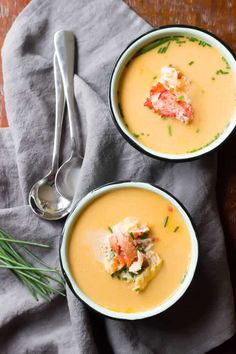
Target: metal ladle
44 199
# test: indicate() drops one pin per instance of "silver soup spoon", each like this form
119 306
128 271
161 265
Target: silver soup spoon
67 175
44 199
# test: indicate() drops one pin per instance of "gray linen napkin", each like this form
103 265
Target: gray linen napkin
204 317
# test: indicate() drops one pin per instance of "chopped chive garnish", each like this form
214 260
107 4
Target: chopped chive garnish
132 274
166 221
197 130
142 134
213 78
221 72
141 249
143 237
181 98
148 134
163 43
176 229
121 111
131 235
200 148
202 43
112 254
192 39
183 278
163 50
153 45
226 62
136 135
154 77
110 229
170 130
191 62
137 289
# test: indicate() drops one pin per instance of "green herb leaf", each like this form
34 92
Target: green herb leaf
133 275
131 235
191 63
110 229
200 148
226 62
141 249
137 289
120 109
143 237
112 254
136 135
170 130
221 72
176 229
193 39
180 98
166 221
183 277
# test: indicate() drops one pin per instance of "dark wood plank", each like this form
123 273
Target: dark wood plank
9 9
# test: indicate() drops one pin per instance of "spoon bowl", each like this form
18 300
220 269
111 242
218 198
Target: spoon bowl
46 202
67 177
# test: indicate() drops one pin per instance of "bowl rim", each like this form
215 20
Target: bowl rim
83 203
141 147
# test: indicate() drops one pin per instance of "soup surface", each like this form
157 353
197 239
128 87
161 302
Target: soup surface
173 245
211 91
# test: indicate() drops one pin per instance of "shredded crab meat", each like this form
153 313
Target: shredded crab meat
169 96
129 255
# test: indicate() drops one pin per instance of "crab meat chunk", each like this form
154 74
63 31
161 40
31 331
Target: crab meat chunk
169 96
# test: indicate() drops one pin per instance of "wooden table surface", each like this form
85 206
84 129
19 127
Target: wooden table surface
217 16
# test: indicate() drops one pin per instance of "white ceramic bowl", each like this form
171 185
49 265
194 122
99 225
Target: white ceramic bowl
126 56
75 287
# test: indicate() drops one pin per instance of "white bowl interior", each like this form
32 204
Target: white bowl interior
127 56
169 301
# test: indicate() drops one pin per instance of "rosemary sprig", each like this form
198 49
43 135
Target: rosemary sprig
35 278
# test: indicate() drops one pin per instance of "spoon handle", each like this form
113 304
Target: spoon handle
59 113
64 42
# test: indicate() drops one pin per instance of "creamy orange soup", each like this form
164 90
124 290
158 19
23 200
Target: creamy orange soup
84 249
212 94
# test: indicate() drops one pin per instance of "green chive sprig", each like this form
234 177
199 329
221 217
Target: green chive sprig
35 278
